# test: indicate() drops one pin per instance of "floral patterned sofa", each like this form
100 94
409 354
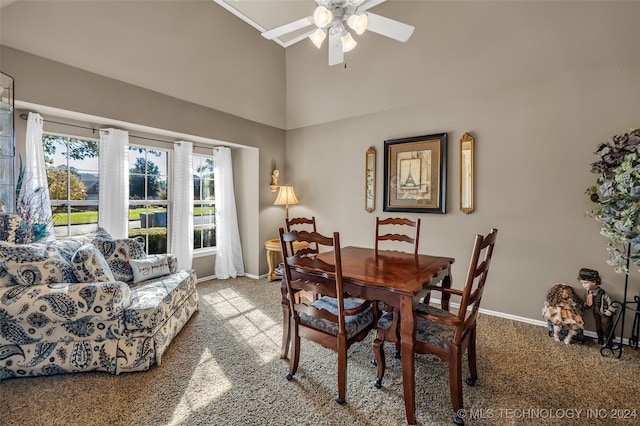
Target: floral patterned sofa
89 303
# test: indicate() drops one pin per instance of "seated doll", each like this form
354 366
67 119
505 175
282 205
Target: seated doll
597 299
563 309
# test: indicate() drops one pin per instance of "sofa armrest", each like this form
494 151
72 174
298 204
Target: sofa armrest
68 301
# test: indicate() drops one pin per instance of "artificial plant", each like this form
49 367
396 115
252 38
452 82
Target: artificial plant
617 195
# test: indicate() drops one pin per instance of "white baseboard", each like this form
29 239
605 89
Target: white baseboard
541 323
213 277
201 279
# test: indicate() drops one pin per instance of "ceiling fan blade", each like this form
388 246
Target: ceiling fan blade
389 27
287 28
298 38
369 4
336 55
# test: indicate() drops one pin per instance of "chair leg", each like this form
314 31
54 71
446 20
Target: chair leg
295 355
342 371
471 355
286 333
378 352
455 382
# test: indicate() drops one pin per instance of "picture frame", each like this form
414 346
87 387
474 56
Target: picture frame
370 180
415 174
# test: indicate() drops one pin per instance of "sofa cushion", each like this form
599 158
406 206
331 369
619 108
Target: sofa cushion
37 263
151 267
42 306
118 252
90 265
153 301
6 279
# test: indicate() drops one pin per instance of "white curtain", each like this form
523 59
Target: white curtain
229 261
34 203
182 209
113 206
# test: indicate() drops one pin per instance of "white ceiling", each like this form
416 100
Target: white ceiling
268 14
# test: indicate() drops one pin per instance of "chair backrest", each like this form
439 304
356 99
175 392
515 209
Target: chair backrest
476 279
393 224
304 271
302 224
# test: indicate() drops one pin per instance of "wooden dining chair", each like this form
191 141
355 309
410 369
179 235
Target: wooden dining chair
392 224
444 333
333 320
303 224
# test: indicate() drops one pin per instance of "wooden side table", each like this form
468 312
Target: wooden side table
273 255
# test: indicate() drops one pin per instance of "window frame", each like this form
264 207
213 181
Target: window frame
68 203
146 202
203 251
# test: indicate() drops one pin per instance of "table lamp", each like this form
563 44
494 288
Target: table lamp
286 196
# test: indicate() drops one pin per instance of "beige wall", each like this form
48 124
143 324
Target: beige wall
191 50
538 84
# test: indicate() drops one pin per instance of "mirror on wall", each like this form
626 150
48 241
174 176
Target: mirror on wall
370 180
466 173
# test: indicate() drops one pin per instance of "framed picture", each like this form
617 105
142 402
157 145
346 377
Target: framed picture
370 180
415 174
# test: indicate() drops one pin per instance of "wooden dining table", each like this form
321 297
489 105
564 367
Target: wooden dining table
398 279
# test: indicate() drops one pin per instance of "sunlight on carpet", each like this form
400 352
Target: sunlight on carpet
251 325
195 396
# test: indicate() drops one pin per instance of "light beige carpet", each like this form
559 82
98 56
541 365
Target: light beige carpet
224 369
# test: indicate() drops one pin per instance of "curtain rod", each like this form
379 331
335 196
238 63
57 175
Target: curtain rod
93 130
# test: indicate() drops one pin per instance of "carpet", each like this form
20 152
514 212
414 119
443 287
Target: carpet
224 369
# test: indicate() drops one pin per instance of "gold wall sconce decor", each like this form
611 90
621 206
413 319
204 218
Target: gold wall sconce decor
466 172
274 180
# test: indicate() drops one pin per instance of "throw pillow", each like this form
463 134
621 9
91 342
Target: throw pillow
35 264
99 232
90 265
151 267
118 253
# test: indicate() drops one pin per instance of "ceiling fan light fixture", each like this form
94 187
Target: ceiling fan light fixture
348 43
318 37
358 23
322 16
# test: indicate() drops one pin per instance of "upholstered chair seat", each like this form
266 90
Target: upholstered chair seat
353 323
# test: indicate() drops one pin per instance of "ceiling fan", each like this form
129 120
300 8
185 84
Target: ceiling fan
333 17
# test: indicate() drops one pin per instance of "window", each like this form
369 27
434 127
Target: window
204 209
72 175
148 178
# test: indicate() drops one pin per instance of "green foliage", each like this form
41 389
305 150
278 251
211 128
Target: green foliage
617 194
78 149
156 240
57 179
209 237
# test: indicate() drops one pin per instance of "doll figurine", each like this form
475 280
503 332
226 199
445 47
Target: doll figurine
563 309
597 299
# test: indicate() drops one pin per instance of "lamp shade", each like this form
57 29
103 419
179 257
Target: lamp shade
286 196
322 16
348 43
318 37
358 23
